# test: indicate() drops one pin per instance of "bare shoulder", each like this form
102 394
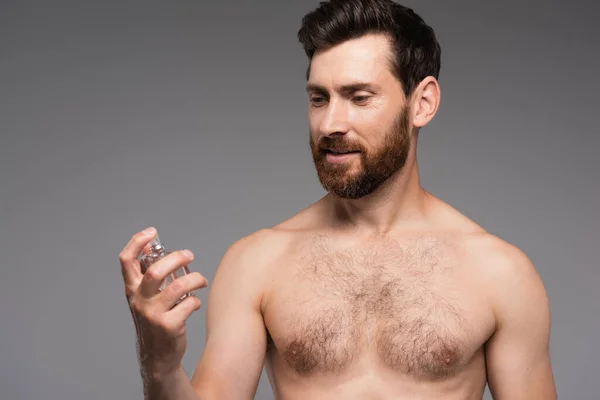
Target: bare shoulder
508 276
504 274
257 252
252 258
494 257
498 258
254 252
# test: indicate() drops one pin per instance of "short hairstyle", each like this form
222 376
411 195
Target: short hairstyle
416 51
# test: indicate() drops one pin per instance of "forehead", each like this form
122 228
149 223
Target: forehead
364 59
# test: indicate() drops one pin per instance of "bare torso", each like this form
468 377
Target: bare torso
398 316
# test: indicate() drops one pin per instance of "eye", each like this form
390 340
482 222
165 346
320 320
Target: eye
317 101
360 99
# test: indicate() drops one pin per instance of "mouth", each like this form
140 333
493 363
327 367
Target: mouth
340 152
335 156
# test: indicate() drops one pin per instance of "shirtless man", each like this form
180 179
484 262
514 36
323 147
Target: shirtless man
379 290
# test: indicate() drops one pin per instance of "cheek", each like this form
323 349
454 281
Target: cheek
313 134
372 121
313 124
368 118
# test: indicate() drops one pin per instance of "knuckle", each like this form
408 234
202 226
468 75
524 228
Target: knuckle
165 325
153 274
136 305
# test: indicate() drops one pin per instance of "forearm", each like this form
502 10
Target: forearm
175 386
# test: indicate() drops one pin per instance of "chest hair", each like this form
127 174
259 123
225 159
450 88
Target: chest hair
389 298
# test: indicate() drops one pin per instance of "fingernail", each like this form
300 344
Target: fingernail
149 231
189 254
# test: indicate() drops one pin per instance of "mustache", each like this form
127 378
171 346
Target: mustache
338 143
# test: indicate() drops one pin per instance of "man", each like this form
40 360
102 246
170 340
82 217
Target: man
379 290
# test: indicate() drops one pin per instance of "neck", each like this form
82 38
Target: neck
400 201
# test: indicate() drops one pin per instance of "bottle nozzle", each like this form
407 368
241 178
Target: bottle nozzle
156 244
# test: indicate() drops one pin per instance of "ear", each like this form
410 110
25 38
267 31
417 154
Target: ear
425 101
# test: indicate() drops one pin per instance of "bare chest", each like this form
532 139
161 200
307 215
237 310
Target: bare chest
403 306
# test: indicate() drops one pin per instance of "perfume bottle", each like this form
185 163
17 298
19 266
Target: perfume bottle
158 251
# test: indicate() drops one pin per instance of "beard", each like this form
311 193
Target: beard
375 167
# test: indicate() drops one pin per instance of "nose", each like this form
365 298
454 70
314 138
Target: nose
335 119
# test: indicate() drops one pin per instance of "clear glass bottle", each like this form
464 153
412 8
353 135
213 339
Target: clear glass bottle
158 251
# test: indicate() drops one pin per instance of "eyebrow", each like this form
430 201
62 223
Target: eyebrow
349 88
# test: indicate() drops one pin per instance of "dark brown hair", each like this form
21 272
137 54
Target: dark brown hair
416 50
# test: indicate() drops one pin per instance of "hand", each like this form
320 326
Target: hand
159 322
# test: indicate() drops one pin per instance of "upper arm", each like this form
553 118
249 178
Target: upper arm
518 355
234 354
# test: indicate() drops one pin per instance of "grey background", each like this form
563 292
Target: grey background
191 117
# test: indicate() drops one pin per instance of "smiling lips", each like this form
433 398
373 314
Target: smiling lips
338 156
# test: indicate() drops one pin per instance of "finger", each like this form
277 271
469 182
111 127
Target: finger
146 249
158 271
181 312
186 284
130 266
